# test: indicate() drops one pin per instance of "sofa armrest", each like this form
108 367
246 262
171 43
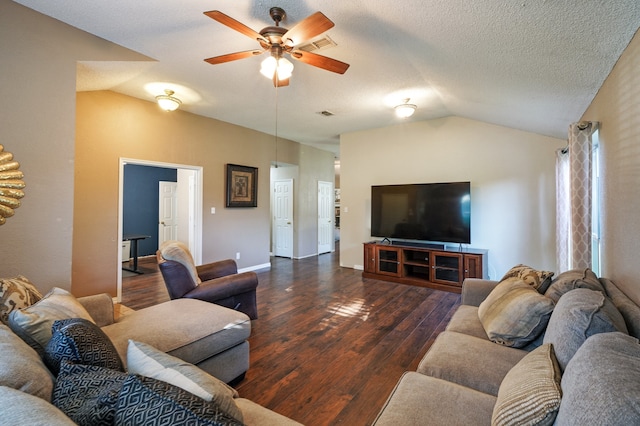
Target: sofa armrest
100 307
475 290
218 269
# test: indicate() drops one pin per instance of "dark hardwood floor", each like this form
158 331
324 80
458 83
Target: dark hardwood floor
328 346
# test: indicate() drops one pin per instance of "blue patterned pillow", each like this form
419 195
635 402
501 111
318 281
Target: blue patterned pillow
144 401
81 342
88 394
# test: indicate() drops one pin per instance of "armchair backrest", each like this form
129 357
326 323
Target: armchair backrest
176 276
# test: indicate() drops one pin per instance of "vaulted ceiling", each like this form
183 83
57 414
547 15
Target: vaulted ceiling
533 65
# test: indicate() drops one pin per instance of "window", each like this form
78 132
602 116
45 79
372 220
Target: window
595 204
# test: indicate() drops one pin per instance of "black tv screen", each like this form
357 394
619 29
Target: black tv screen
438 212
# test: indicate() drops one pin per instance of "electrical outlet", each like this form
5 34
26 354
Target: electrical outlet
238 256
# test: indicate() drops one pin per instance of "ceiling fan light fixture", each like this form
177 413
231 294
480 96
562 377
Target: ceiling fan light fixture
168 102
406 109
271 65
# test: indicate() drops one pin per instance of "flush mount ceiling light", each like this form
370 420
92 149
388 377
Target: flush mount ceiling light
167 101
406 109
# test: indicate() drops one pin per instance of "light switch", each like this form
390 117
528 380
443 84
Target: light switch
213 210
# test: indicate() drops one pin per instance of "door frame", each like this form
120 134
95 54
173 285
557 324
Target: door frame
197 208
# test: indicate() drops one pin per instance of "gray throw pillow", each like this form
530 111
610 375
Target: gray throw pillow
570 280
579 314
514 313
601 384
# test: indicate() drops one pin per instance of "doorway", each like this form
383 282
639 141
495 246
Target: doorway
326 214
282 218
189 211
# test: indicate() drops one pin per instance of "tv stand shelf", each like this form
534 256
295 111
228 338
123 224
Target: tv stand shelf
425 266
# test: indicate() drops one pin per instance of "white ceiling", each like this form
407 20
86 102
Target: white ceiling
533 65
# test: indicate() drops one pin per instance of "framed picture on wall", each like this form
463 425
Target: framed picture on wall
242 186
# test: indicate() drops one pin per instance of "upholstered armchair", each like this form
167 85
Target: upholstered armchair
217 282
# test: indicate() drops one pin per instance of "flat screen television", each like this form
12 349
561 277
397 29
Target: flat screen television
429 212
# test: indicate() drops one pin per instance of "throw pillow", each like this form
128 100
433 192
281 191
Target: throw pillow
601 383
514 313
21 368
569 280
81 342
145 401
539 280
33 324
88 394
530 392
178 252
579 314
145 360
19 408
16 293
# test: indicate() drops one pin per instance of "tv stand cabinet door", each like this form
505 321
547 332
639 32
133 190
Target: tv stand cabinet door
388 260
370 258
447 268
473 266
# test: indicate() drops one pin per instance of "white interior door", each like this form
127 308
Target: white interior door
283 218
325 217
167 212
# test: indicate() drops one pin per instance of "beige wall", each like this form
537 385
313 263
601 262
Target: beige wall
38 82
617 108
512 176
111 126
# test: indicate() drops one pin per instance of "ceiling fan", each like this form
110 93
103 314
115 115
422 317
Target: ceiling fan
279 41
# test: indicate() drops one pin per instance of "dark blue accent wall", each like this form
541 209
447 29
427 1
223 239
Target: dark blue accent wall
140 203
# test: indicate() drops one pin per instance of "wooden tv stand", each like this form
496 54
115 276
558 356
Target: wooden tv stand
423 265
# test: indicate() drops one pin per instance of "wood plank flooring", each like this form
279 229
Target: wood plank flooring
328 346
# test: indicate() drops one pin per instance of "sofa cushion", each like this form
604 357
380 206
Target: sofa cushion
177 328
88 394
569 280
145 360
80 342
33 324
601 383
530 392
423 400
179 252
629 310
469 361
465 320
16 293
514 313
18 406
21 367
539 280
146 401
580 313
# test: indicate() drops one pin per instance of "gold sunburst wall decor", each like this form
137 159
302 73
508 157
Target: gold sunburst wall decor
11 185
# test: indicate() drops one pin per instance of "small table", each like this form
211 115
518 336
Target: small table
134 238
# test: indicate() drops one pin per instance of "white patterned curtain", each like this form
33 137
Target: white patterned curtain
573 199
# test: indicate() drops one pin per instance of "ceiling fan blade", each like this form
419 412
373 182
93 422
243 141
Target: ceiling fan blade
234 25
320 61
309 27
233 56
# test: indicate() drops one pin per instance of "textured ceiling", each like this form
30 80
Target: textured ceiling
533 65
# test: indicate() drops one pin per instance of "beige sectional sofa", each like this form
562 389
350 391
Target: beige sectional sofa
583 368
188 331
